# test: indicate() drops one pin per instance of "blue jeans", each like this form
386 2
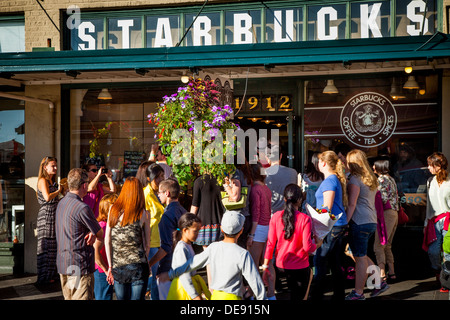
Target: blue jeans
330 254
102 289
131 291
434 250
152 285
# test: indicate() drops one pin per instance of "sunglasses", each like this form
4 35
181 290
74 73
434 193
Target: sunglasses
93 170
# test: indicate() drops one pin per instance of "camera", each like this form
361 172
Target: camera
104 170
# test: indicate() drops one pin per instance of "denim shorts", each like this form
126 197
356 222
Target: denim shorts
261 233
359 237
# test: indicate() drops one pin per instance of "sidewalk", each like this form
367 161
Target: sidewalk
24 288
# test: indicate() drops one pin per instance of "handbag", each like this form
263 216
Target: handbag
235 205
402 216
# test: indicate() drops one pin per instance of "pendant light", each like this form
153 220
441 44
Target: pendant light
330 88
104 95
411 83
396 92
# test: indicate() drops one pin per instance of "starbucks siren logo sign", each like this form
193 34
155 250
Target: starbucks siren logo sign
368 119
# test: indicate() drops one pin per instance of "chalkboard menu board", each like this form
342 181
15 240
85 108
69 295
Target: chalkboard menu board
132 160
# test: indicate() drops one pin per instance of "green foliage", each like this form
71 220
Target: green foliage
188 117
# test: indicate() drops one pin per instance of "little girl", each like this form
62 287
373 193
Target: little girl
188 286
102 289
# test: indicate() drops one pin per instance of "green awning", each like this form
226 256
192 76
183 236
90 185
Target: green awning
306 52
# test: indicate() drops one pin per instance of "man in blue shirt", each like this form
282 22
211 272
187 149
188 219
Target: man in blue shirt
169 191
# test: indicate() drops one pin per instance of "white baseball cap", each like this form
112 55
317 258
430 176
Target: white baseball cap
232 222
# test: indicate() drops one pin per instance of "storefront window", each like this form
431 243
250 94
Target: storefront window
12 170
370 20
124 33
12 34
205 31
88 36
380 117
327 22
163 31
243 27
416 17
114 133
284 25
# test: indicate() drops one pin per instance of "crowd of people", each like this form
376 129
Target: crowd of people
249 233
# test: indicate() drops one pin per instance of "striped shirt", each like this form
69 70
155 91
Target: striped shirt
74 220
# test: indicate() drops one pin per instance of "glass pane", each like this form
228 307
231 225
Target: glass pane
243 27
205 31
403 127
12 170
284 25
114 133
411 18
88 36
370 19
125 33
163 31
326 23
12 36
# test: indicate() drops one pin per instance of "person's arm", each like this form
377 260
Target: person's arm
255 212
147 232
251 274
185 278
111 188
153 152
328 199
98 245
93 184
353 193
108 251
308 245
43 187
161 253
233 189
198 261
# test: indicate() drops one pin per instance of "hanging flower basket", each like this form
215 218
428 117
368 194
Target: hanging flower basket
191 128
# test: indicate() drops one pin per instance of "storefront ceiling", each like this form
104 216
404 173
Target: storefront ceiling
313 58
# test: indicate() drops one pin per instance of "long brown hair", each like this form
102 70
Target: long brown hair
130 203
42 172
331 158
437 159
359 166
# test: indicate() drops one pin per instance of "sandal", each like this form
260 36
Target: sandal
392 277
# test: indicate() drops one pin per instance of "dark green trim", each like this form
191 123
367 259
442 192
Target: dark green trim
381 49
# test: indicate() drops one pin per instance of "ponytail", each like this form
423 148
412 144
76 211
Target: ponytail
293 195
338 167
437 159
340 173
186 221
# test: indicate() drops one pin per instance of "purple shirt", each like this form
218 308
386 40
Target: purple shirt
74 220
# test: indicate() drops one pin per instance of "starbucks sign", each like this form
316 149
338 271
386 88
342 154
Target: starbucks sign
368 119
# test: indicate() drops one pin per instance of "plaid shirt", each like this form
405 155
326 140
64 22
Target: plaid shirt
74 220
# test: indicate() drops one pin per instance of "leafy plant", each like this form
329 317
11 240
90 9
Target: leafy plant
194 115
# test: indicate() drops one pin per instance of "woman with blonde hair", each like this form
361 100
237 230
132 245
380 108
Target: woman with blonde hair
362 217
332 195
127 242
47 195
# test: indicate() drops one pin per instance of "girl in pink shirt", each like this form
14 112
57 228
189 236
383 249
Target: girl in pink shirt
290 234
